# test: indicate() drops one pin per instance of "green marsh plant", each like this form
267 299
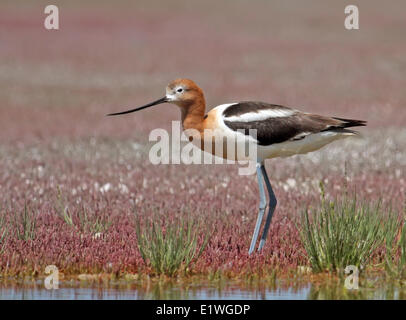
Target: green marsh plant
25 223
170 249
3 230
62 210
94 225
81 219
342 233
395 258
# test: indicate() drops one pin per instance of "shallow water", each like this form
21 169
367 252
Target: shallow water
108 294
156 291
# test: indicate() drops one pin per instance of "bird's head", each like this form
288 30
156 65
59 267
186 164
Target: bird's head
182 92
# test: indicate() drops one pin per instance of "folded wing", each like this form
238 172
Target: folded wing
276 124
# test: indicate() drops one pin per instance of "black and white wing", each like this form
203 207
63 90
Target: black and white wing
275 123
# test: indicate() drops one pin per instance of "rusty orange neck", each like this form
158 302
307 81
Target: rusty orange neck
193 114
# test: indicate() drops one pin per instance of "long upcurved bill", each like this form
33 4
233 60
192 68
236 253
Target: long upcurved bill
159 101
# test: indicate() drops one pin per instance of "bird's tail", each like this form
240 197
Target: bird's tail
347 123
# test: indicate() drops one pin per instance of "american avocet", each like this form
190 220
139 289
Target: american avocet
280 132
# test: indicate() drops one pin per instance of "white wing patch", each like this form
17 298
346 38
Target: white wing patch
224 106
261 115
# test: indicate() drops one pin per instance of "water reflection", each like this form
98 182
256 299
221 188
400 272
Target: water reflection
335 291
226 291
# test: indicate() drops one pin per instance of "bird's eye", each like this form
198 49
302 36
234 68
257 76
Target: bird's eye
180 90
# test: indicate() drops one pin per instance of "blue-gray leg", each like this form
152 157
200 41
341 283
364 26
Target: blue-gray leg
262 206
272 206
